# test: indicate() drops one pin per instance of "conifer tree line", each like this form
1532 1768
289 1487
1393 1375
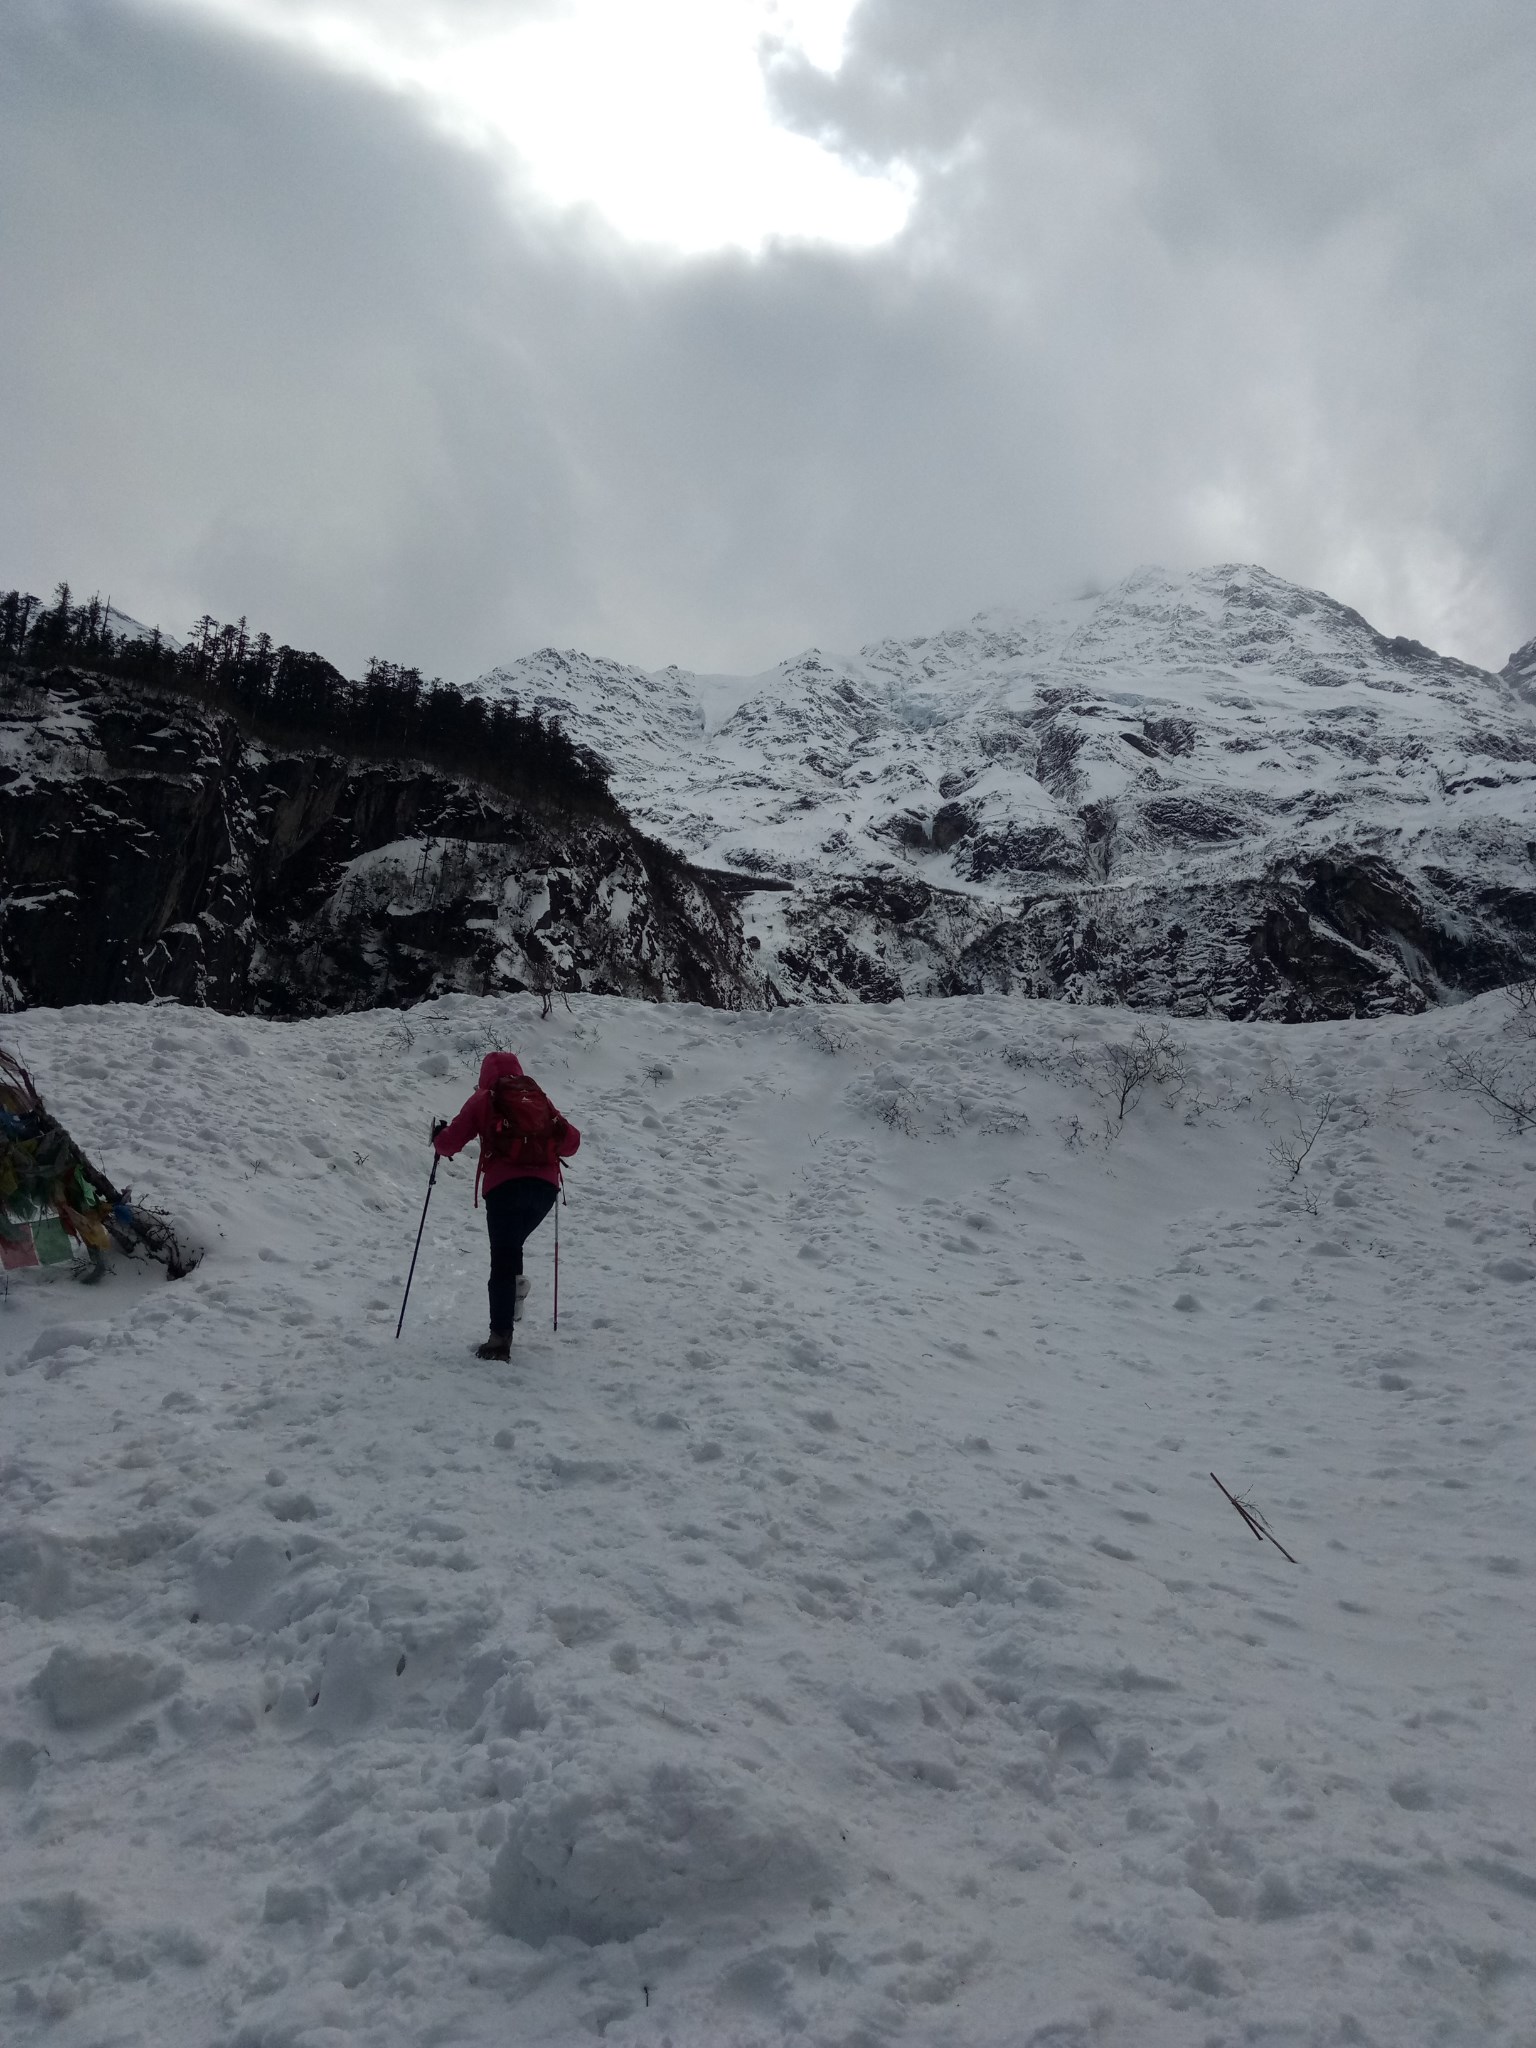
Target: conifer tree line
283 690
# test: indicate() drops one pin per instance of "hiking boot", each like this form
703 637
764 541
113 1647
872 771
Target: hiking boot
497 1346
521 1297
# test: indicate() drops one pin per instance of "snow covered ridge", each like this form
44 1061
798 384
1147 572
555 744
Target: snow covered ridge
834 1634
1209 795
1520 669
1208 792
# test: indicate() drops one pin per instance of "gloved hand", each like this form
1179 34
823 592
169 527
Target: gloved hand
439 1123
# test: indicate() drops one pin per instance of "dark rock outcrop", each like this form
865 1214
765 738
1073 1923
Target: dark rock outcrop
151 848
1345 934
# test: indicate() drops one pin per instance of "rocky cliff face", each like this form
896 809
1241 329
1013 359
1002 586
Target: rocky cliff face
150 848
1212 793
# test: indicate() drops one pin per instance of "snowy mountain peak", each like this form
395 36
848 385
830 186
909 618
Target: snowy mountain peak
1520 669
134 629
1174 732
1271 695
1232 616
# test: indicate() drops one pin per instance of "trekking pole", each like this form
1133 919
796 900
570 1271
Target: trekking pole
557 1263
421 1226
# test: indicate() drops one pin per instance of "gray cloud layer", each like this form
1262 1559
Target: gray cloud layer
1183 282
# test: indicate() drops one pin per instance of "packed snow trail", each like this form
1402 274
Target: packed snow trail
834 1633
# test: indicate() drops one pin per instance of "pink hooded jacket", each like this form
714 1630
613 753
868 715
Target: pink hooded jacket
472 1118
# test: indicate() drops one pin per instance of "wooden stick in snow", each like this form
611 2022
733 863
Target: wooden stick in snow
1253 1524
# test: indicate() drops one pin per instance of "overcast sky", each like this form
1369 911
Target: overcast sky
707 330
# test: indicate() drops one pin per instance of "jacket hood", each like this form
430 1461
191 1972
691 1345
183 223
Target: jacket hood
498 1066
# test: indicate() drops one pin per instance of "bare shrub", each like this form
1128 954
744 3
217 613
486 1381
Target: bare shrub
1147 1059
1288 1154
546 991
23 699
898 1109
1505 1088
1522 1004
828 1033
1116 1074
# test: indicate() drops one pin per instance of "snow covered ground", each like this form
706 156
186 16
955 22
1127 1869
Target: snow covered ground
833 1634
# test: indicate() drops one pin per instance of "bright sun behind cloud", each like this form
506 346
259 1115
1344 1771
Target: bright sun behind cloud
654 113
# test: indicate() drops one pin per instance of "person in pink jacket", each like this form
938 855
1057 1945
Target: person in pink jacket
520 1169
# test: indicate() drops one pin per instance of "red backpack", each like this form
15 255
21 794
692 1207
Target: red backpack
524 1127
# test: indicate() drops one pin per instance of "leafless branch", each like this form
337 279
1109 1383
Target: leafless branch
1506 1091
1289 1155
1522 1001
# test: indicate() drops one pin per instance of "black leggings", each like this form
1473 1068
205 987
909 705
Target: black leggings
513 1212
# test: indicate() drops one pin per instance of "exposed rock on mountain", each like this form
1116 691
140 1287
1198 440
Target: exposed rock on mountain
1520 669
1210 793
150 847
1215 792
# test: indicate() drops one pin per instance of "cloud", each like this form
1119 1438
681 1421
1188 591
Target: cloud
1282 246
655 116
1181 284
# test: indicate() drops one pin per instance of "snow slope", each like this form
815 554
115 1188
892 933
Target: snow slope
1149 750
134 629
1273 707
833 1634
